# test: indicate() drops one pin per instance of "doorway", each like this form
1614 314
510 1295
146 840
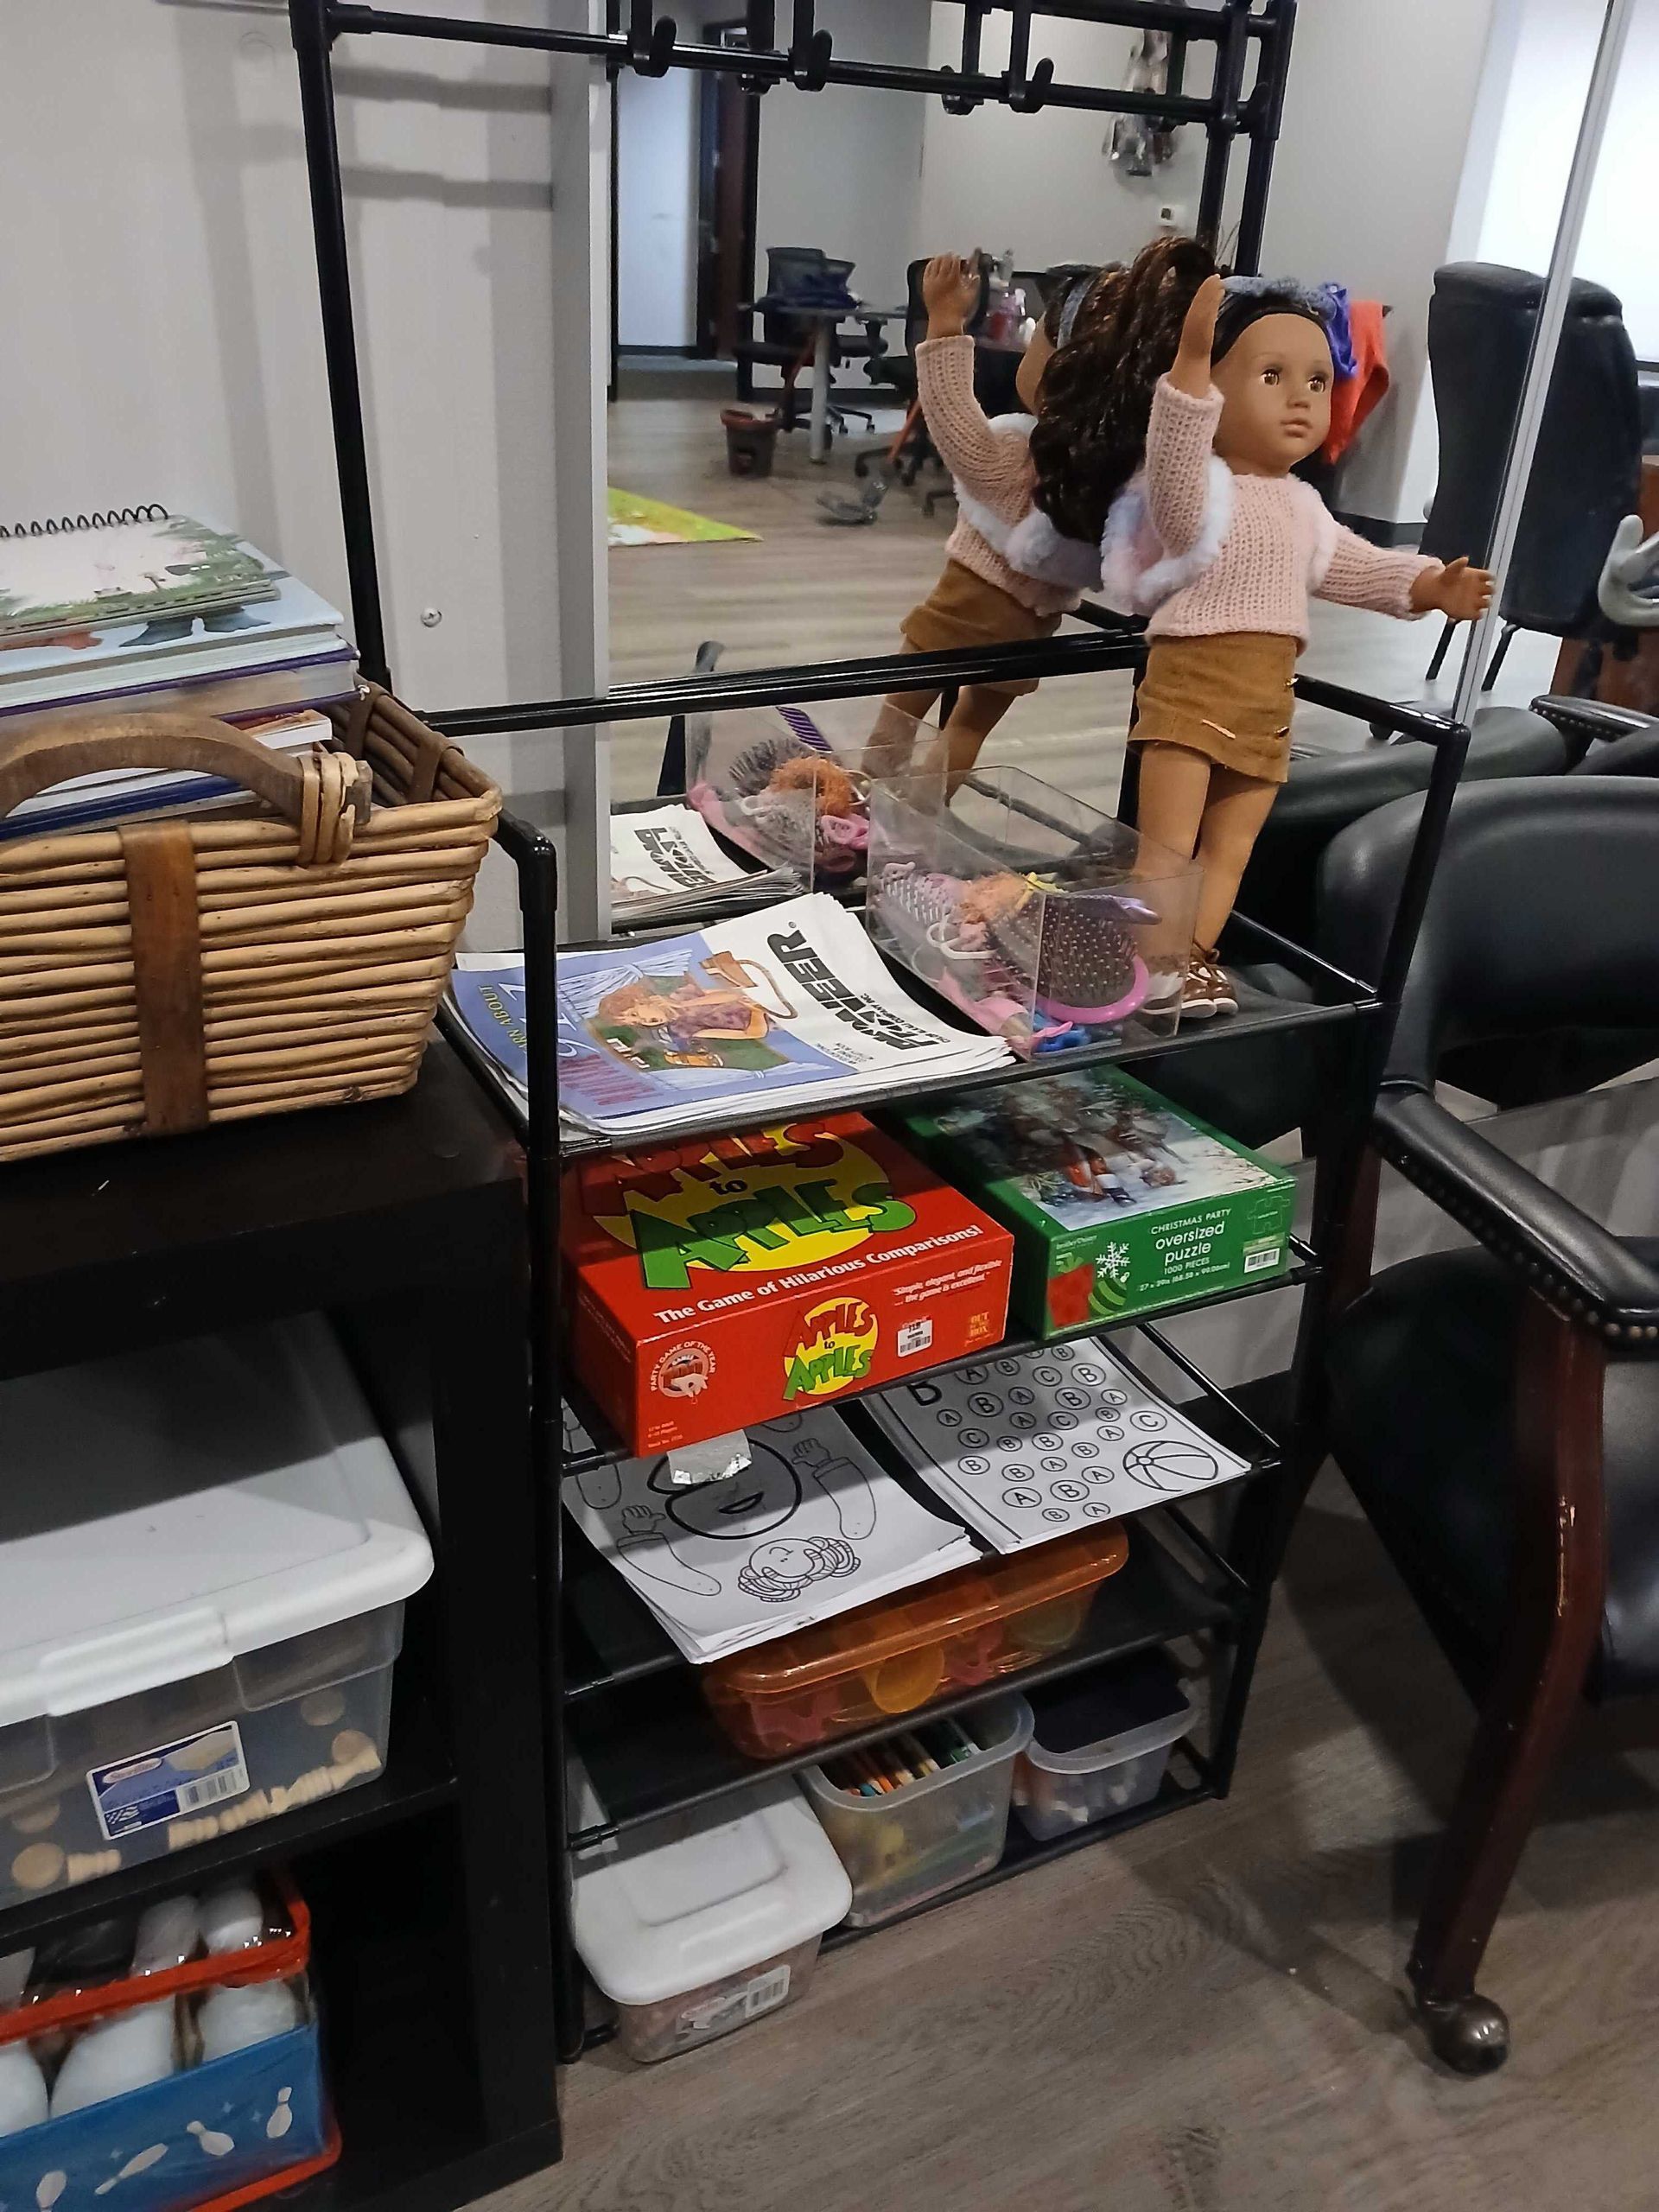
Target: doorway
728 168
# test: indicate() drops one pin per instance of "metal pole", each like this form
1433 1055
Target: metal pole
1221 127
1268 107
308 25
1541 359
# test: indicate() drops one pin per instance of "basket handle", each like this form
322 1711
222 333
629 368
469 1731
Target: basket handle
324 794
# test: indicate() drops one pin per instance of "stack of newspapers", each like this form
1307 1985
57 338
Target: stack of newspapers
788 1009
666 866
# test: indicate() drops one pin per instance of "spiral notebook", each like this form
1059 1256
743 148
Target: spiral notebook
132 564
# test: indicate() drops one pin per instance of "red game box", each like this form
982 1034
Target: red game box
720 1282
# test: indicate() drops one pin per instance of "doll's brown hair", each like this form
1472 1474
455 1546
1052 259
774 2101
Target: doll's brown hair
1097 390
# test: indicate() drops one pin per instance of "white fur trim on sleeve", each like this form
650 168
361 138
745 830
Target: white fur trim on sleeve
1137 576
1031 546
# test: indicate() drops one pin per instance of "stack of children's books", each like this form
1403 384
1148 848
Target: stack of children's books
146 612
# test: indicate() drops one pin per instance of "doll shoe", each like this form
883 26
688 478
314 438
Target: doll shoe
1215 992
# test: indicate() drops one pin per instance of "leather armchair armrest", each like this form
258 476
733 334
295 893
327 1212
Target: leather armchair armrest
1586 720
1571 1262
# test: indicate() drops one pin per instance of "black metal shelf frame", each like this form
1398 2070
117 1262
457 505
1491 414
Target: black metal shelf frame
1241 1569
635 39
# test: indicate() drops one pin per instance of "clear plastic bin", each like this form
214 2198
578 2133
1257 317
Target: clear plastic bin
930 1835
206 1548
791 786
889 1657
705 1920
1101 1747
1047 922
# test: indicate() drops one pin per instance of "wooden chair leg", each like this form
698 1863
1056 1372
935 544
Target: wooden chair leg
1554 1618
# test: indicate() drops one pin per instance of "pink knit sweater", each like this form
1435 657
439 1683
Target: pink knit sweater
993 466
1261 578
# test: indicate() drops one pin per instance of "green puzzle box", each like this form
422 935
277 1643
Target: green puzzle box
1120 1203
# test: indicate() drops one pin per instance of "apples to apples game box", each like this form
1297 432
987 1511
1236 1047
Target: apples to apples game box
715 1283
1121 1203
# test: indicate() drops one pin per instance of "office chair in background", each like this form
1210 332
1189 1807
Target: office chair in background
1587 473
787 341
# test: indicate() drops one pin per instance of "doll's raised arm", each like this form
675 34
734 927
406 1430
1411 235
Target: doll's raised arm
991 465
1181 430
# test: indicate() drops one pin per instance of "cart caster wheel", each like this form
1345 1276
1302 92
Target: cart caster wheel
1469 2034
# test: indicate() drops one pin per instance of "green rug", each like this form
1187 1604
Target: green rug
634 521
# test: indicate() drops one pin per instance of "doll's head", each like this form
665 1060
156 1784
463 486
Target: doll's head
1097 388
1067 288
1271 363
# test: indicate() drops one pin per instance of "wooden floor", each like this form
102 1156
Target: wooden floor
809 591
1205 2016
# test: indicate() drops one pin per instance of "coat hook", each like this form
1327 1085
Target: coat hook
1025 88
650 44
760 33
809 51
973 17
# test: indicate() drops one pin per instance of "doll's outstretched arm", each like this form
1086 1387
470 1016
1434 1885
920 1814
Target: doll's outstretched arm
990 466
1400 583
1181 430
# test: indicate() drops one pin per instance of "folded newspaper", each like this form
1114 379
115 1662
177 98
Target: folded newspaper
1026 1447
786 1009
811 1528
667 865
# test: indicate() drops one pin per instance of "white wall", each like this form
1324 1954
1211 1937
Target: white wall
656 208
839 167
1377 118
163 339
1044 184
1551 48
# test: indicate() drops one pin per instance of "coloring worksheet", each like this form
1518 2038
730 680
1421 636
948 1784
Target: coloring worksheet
811 1528
1025 1448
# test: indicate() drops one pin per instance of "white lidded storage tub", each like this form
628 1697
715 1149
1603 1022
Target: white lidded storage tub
930 1834
696 1923
205 1550
1100 1747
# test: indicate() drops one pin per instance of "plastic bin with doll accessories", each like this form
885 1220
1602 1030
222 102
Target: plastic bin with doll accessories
697 1923
889 1657
1045 921
789 786
1101 1746
197 2084
206 1548
944 1821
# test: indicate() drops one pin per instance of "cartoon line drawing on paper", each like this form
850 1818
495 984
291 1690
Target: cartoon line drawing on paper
781 1570
824 1500
1170 1463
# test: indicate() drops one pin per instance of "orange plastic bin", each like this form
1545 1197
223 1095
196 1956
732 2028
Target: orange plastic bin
888 1658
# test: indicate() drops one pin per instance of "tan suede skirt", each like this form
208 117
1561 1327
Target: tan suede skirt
1229 697
963 609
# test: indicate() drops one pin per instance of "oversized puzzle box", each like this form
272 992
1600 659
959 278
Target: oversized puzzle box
1120 1203
712 1284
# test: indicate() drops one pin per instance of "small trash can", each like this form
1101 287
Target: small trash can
751 440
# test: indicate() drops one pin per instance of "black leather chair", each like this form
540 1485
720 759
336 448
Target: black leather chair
1586 472
1496 1409
787 341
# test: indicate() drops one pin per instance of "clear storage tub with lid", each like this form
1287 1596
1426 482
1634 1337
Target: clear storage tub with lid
699 1922
889 1657
934 1833
1099 1747
205 1550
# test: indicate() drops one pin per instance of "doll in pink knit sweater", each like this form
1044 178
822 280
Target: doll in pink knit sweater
1221 546
1010 573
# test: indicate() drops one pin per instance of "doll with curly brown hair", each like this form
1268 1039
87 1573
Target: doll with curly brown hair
1010 571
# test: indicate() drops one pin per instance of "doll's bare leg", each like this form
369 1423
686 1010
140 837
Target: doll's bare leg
1233 815
976 715
1174 791
892 739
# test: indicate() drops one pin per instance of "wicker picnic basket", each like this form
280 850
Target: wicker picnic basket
161 975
